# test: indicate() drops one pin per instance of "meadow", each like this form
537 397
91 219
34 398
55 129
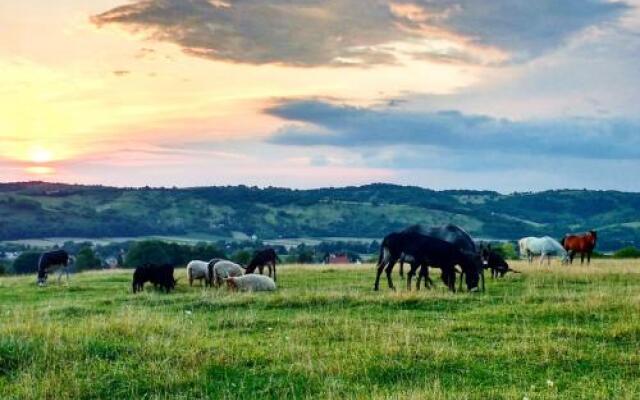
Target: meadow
549 333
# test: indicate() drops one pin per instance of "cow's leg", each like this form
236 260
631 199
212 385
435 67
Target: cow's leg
581 258
588 258
461 278
190 278
274 271
402 268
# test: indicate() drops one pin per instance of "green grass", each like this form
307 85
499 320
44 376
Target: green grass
549 333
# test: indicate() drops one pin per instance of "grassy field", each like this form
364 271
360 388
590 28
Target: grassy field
549 333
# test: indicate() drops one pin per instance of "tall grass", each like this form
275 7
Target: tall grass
552 332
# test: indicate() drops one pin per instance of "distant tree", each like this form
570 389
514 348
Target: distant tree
87 259
507 250
242 257
4 269
304 254
627 252
26 263
147 252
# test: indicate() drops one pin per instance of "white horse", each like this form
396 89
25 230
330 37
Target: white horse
544 246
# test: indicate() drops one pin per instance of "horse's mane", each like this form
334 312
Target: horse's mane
414 229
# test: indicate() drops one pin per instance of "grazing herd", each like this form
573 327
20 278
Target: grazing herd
448 248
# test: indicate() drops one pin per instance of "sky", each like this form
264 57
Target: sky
506 95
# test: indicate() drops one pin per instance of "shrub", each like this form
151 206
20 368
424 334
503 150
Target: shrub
26 263
242 257
627 252
86 259
147 252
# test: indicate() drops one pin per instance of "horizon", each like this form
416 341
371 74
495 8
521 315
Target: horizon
565 189
506 96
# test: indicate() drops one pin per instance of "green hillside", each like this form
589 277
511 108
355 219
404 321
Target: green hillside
37 209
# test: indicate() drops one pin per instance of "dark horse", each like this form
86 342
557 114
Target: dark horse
263 258
425 251
582 243
52 261
454 235
495 262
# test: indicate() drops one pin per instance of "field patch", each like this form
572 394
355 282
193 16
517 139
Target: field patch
549 333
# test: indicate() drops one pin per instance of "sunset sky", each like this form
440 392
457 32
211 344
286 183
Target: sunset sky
498 94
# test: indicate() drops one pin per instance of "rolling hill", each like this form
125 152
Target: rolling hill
40 209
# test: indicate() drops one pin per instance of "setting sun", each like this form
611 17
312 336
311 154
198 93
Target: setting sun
39 154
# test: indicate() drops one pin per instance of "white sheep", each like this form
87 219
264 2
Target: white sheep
224 269
251 283
199 270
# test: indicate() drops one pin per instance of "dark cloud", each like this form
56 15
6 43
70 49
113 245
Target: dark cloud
324 124
356 32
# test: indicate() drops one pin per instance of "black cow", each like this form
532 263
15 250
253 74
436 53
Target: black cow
159 275
425 251
52 261
263 258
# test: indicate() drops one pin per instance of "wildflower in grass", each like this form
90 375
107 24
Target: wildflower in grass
549 383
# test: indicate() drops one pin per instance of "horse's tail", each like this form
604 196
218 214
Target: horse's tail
381 254
562 240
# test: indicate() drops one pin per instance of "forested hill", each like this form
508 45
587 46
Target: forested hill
37 209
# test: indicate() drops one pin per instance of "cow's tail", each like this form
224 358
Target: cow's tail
562 240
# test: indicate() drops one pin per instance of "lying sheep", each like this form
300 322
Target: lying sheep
226 269
251 283
199 270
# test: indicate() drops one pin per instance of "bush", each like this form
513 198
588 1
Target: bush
86 259
147 252
627 252
26 263
242 257
4 269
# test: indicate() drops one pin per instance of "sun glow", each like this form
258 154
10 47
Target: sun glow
39 155
40 170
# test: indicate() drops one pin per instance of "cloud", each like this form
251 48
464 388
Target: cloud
355 32
318 123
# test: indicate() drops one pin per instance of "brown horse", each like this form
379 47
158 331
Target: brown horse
582 243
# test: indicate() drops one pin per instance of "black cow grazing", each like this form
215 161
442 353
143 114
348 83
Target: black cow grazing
425 251
52 261
263 258
159 275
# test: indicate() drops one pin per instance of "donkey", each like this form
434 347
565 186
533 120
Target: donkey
56 260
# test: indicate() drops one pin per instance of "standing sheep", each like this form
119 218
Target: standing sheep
199 270
225 269
251 283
